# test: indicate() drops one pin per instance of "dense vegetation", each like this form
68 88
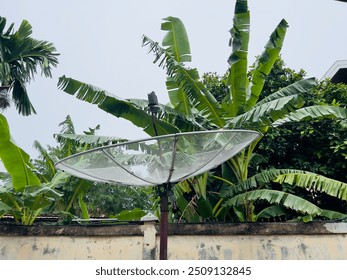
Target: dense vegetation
293 172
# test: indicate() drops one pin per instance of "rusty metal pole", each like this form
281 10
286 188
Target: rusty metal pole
164 224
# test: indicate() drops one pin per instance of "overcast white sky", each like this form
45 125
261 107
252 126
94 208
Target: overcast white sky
100 43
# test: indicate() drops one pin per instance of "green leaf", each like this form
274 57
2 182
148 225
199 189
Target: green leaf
186 208
261 117
176 39
312 113
297 178
333 215
204 208
316 182
187 81
178 98
116 106
4 207
25 30
264 63
83 207
15 160
21 57
82 139
271 212
172 115
39 197
297 88
276 197
237 77
47 159
130 215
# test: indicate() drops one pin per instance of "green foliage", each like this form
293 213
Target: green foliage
22 195
197 200
246 99
316 146
129 215
82 198
15 160
289 202
20 57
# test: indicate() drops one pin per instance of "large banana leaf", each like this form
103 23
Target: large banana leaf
186 208
4 208
261 117
333 215
36 198
15 160
185 87
257 181
316 182
237 78
115 106
313 112
297 88
278 198
178 98
177 45
176 39
264 63
94 140
298 178
172 116
271 212
129 215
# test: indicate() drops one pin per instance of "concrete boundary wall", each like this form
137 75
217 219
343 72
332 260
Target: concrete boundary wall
221 241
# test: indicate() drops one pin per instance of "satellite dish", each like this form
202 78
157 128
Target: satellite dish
159 161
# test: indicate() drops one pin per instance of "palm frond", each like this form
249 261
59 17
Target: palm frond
21 98
21 57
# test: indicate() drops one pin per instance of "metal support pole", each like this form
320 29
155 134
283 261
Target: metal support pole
163 191
164 224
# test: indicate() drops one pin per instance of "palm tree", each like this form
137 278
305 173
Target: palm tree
20 57
193 107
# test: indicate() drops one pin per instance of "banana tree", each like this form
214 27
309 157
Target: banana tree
73 189
22 194
193 107
256 188
82 198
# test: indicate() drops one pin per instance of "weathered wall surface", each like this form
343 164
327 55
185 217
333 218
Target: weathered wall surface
259 241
